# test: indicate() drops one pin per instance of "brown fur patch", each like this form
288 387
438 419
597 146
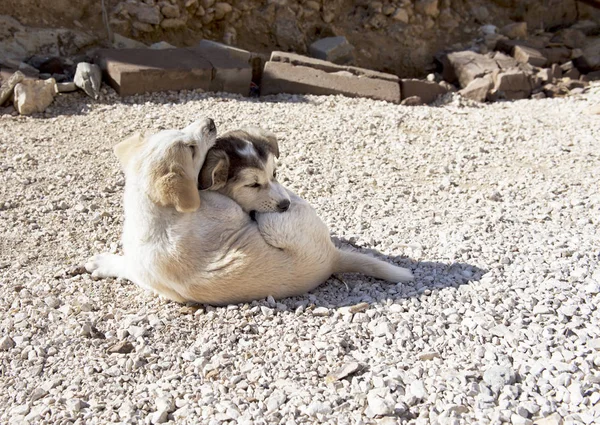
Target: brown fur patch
171 184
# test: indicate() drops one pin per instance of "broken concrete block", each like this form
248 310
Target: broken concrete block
545 75
504 61
33 96
469 65
8 85
427 91
209 49
524 54
300 60
556 71
286 77
88 77
478 89
512 85
332 49
515 30
136 71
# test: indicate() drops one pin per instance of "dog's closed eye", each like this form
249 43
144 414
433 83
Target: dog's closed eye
254 185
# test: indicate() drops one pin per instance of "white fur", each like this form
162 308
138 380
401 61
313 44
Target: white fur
217 255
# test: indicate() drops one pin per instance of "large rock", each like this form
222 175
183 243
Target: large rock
33 96
590 58
468 65
135 71
19 42
427 91
529 55
515 30
511 85
295 74
332 49
478 89
556 54
570 37
8 85
88 77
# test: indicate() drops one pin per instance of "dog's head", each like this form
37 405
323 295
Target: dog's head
166 164
241 165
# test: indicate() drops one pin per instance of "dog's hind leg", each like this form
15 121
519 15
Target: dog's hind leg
108 265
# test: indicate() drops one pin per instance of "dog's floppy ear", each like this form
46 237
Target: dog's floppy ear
128 148
215 170
171 185
267 136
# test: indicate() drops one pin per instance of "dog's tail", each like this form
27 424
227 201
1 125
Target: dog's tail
354 262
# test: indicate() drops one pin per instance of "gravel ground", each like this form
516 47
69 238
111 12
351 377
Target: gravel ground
495 208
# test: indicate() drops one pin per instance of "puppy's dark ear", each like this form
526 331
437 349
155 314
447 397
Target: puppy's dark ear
267 136
215 170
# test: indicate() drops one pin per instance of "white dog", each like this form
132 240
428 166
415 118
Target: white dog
202 246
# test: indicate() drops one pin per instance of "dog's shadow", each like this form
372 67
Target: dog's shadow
351 289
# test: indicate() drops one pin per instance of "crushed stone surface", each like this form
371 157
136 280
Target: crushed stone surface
495 208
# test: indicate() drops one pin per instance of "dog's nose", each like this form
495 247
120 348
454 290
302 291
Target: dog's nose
283 205
211 125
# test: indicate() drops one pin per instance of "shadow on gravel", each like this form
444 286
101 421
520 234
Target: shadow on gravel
351 289
64 105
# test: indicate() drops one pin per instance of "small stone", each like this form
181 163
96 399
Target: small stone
275 400
76 405
520 420
6 343
317 407
123 347
33 96
358 308
66 87
515 30
136 331
499 376
88 77
383 329
21 410
159 417
38 393
553 419
412 101
430 355
321 312
344 371
378 406
165 403
162 45
400 15
417 389
222 9
170 11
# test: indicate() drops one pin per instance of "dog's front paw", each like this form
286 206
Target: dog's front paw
105 265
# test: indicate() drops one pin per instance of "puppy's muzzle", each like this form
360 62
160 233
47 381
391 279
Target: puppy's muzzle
284 205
